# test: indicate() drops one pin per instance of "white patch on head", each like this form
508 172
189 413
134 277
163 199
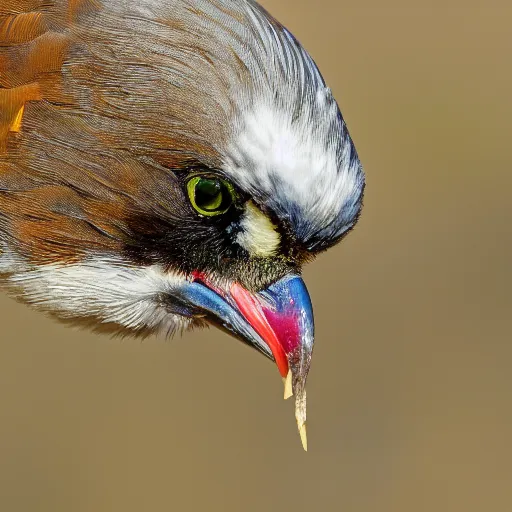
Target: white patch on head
302 162
258 236
109 290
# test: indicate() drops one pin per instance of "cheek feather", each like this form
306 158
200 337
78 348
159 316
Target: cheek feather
259 235
109 291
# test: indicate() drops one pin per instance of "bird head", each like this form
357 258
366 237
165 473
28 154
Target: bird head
167 164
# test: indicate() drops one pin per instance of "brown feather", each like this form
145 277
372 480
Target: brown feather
21 28
103 106
22 6
77 201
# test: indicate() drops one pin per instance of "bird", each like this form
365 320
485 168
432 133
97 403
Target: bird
170 164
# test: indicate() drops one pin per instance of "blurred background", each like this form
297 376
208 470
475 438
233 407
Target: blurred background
410 392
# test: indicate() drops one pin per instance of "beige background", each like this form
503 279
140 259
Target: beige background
411 386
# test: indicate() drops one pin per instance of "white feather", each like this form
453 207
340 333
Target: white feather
108 289
295 163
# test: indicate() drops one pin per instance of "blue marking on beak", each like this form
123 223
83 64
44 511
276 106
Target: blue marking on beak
278 321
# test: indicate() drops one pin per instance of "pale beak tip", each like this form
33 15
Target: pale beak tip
288 386
303 436
300 415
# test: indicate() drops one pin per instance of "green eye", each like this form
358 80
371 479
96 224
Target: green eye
210 196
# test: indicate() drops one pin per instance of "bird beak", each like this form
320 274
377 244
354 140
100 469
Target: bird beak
278 321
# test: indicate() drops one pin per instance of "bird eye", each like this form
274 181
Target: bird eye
210 196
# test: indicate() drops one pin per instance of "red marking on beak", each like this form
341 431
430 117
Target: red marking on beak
252 310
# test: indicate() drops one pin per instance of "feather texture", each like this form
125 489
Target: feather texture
105 106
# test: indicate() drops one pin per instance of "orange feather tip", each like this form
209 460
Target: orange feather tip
16 125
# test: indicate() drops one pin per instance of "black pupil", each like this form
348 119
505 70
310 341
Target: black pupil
211 195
